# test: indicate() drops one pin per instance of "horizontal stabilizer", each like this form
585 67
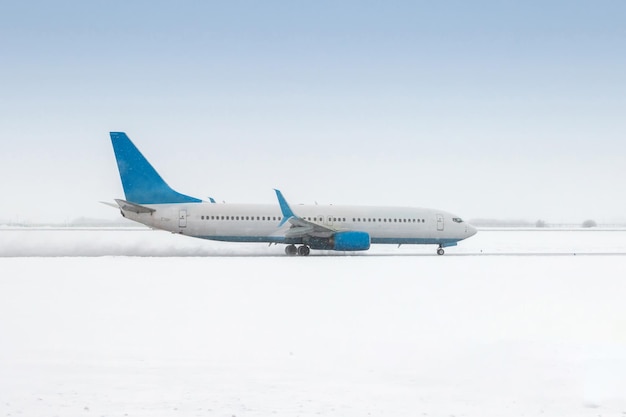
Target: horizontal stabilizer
135 208
106 203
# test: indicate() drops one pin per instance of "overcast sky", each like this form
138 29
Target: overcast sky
488 109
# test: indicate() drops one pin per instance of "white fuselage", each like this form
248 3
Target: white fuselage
262 222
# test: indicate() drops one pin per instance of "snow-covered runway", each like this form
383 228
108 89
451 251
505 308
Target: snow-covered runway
187 327
86 242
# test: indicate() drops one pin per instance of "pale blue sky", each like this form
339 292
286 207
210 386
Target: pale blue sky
499 109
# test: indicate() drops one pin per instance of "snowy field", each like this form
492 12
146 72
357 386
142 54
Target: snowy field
142 323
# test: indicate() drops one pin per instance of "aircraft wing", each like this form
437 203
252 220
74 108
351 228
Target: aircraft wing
301 227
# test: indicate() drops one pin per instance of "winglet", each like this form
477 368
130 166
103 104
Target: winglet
284 207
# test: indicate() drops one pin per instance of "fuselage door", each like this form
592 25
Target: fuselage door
182 218
440 222
328 220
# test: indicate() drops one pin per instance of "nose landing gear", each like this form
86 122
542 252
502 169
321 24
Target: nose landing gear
440 251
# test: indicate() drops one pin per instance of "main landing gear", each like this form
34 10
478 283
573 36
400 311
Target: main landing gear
300 250
440 251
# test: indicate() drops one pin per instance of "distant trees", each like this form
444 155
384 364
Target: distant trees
539 224
589 223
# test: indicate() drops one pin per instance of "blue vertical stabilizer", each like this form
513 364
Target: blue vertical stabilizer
142 184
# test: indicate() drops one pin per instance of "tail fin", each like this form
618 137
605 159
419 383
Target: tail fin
142 184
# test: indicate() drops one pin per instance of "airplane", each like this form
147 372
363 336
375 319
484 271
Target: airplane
149 200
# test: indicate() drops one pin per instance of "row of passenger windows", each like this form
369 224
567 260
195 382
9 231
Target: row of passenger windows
358 219
260 218
315 219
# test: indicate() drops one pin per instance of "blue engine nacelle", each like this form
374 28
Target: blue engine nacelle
348 241
341 241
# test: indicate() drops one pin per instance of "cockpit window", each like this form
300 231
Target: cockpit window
457 220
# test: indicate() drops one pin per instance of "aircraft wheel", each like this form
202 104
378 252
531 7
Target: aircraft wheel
291 250
304 250
440 251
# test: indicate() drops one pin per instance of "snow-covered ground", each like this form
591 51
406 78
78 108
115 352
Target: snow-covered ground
142 241
524 323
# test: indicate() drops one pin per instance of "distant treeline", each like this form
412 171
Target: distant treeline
539 223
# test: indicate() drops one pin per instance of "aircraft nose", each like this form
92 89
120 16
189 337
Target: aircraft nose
471 230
